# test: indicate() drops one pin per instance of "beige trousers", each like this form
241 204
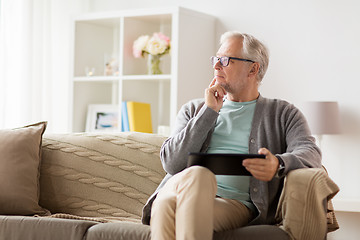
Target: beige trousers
187 208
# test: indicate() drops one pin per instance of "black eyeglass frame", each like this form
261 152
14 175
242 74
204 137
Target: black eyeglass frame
213 62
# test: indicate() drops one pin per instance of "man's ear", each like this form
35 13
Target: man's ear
254 70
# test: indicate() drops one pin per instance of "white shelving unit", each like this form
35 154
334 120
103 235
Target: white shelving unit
101 36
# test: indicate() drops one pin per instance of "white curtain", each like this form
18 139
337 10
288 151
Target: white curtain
35 61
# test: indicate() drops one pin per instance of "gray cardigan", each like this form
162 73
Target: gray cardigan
277 126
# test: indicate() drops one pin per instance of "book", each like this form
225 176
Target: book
139 115
124 118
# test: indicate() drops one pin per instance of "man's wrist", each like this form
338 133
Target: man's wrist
281 168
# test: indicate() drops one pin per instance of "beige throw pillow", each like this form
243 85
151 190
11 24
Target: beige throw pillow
20 155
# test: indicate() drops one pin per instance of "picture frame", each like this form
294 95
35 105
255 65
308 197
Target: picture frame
102 118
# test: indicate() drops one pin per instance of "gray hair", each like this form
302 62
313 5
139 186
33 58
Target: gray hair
252 49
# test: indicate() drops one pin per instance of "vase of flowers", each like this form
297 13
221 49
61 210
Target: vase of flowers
155 46
154 64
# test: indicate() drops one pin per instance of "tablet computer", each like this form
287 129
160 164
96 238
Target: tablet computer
222 163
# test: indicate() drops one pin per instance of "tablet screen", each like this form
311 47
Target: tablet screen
222 163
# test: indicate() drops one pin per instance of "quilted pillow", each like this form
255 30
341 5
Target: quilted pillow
20 155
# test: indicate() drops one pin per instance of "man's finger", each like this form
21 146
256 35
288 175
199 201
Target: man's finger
212 82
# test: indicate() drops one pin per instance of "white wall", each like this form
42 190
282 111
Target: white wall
35 40
315 50
60 40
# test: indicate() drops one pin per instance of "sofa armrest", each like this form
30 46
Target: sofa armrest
302 208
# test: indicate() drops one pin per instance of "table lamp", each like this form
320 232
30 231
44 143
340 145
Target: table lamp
323 118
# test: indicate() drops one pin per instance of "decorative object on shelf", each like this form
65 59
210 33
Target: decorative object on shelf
89 71
102 118
323 118
111 67
154 64
136 117
155 46
125 127
139 116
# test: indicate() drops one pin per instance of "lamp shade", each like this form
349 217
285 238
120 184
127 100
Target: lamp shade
323 117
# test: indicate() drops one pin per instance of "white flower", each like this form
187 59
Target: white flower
156 45
140 45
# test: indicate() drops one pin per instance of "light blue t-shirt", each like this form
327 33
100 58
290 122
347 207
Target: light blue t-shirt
231 135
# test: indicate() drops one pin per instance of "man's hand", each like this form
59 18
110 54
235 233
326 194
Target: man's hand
263 169
214 95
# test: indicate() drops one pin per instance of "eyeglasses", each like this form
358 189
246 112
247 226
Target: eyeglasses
224 61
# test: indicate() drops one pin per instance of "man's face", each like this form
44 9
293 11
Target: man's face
234 77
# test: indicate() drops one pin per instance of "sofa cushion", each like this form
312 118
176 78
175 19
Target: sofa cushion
100 175
136 231
120 231
33 228
20 155
256 232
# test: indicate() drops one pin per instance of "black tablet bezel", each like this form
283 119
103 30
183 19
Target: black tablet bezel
222 163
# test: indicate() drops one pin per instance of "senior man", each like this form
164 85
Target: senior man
192 203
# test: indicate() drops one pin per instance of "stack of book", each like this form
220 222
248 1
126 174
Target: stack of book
136 117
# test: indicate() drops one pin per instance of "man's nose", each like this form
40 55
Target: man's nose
217 65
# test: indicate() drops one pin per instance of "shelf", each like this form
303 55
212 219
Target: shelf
346 204
103 46
97 79
147 77
165 77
